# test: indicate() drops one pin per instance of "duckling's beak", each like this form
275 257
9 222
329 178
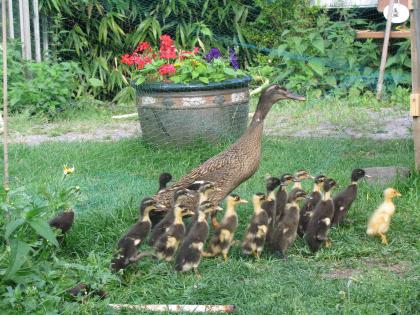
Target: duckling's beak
218 208
242 201
295 179
217 189
294 96
368 176
160 207
308 197
398 194
311 177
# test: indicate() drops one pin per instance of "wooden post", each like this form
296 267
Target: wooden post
22 33
44 26
385 50
5 109
37 38
26 30
11 26
415 97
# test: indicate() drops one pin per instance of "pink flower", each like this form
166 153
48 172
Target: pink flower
127 59
166 41
196 50
140 61
167 52
166 69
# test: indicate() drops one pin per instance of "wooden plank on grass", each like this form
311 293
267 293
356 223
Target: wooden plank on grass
176 308
364 34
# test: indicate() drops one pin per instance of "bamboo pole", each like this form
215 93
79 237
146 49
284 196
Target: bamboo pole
5 109
415 97
44 26
176 308
37 38
26 30
11 26
22 33
385 50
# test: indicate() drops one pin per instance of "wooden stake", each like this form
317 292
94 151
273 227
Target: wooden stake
385 50
44 26
22 33
26 30
5 109
37 38
176 308
415 59
11 26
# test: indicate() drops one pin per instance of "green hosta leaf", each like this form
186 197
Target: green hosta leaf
318 43
44 229
18 255
141 80
317 65
94 82
204 80
12 226
230 72
331 80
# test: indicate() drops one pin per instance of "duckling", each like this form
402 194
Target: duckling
189 255
270 204
379 222
344 199
310 204
205 188
168 243
164 179
128 244
319 224
256 231
281 195
299 176
285 231
63 222
222 239
181 195
83 289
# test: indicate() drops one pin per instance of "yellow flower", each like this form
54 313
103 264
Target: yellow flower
177 64
68 170
195 62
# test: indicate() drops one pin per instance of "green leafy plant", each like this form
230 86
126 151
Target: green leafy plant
26 219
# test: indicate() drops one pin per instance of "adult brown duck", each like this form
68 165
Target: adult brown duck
228 169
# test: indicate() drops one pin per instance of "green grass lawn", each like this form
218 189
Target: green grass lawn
357 275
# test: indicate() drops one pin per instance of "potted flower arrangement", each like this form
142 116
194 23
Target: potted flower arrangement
183 95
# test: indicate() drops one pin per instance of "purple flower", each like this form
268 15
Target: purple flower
233 59
214 53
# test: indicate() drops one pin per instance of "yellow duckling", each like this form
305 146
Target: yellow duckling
379 222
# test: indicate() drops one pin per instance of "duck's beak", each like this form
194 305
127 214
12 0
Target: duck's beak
294 96
243 201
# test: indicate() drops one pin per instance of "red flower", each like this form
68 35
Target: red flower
142 46
166 69
167 52
127 59
140 61
166 41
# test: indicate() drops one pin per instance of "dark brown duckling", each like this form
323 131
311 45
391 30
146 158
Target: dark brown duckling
285 231
256 232
189 255
310 204
299 176
344 199
157 216
164 179
320 222
281 195
83 289
181 195
168 243
223 236
270 204
127 252
63 222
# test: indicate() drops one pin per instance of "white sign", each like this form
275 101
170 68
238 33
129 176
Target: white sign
400 13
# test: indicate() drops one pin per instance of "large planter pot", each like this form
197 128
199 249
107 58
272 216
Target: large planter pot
180 114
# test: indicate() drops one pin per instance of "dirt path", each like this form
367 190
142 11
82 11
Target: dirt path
385 124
